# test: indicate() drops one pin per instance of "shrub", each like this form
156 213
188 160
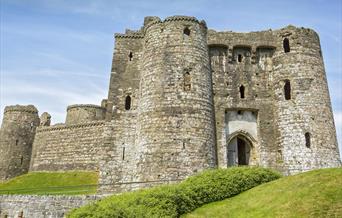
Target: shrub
175 200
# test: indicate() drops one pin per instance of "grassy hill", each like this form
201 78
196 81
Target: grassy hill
316 193
174 200
69 183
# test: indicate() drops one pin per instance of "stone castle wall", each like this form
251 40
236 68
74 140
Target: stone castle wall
250 71
68 147
33 206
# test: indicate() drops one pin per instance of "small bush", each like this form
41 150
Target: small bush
175 200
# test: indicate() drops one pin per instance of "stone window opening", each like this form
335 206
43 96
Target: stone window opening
128 103
183 144
239 58
16 142
187 81
21 160
307 140
242 91
287 90
286 45
123 153
186 31
239 112
130 56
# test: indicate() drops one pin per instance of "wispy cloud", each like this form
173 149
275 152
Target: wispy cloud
46 96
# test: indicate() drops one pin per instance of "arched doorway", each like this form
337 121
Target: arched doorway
238 151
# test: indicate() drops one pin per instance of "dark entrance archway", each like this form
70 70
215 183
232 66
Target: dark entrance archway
241 147
238 151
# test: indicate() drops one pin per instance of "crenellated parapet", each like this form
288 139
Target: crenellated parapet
61 127
21 108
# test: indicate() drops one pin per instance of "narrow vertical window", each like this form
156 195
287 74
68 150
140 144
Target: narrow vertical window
287 90
186 31
128 103
242 91
16 142
187 81
123 153
130 56
21 160
286 45
307 140
239 58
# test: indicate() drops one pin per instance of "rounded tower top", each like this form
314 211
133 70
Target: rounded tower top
21 108
82 113
150 21
84 106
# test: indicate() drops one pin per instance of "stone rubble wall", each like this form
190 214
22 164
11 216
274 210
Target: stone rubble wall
44 206
68 147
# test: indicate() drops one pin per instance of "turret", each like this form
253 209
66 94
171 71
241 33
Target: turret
16 137
175 116
83 113
306 130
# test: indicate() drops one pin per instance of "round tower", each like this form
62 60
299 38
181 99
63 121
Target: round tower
176 118
16 137
306 130
83 113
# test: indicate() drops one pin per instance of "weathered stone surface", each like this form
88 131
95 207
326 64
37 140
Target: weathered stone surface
16 137
83 113
67 147
45 119
35 206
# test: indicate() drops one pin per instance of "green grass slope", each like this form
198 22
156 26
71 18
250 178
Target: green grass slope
174 200
316 193
41 183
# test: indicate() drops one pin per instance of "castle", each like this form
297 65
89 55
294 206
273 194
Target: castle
182 99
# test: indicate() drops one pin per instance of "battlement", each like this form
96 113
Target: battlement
61 127
84 106
130 35
21 108
150 21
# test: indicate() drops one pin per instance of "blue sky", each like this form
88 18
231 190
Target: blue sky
58 52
